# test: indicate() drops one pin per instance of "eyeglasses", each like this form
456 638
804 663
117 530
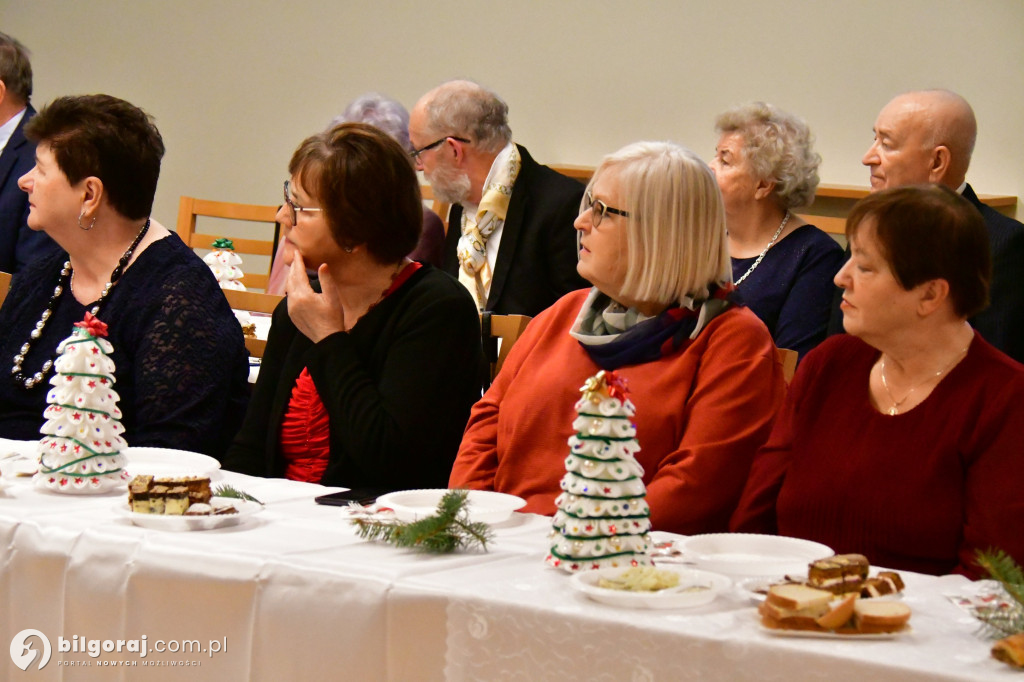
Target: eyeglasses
415 153
296 209
599 208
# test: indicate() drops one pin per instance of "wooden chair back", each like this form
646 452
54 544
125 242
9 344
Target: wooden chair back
5 285
508 329
189 208
253 302
788 359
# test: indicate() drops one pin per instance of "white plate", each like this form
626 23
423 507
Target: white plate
176 523
816 634
671 598
484 505
168 462
747 554
26 461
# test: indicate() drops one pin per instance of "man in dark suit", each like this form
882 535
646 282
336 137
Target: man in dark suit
18 243
510 236
928 136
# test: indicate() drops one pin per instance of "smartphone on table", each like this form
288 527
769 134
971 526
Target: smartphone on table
363 496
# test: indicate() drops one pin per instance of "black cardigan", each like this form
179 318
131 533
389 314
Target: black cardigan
397 387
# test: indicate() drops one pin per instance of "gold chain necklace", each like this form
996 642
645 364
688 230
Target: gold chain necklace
775 237
895 409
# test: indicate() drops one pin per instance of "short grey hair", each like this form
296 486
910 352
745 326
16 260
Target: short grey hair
779 147
381 112
466 109
15 68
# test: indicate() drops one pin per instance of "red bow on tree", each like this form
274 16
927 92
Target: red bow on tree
93 325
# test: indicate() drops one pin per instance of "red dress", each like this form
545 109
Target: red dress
920 491
306 428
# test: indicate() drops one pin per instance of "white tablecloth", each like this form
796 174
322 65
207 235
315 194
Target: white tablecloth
294 595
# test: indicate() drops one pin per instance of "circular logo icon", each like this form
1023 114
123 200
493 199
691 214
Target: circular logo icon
23 653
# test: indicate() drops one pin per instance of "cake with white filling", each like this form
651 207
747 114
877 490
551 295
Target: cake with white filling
170 496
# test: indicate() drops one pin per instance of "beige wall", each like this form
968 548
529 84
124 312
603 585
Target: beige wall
235 86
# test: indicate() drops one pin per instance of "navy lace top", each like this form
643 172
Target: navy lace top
791 290
182 368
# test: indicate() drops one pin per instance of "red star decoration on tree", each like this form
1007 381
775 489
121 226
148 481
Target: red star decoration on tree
92 384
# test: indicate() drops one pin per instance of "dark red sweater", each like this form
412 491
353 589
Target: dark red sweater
919 491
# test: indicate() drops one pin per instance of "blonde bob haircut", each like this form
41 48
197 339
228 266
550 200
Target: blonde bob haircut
676 239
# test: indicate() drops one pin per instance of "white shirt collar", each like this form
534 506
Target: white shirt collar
7 129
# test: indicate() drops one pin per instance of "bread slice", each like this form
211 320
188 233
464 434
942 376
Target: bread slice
793 606
839 615
1010 650
875 616
797 597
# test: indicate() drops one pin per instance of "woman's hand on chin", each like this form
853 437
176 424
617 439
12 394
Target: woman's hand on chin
317 316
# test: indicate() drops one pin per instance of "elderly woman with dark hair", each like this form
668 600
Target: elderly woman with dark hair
765 166
180 356
390 116
900 440
367 383
702 371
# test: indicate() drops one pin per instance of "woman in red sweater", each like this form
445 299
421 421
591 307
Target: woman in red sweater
901 440
701 370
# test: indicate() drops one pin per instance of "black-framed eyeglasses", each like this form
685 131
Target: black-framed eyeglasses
415 153
599 208
296 209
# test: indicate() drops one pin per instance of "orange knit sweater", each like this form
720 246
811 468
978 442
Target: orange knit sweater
701 414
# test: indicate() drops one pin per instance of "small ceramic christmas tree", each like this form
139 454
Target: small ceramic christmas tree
224 262
602 518
80 451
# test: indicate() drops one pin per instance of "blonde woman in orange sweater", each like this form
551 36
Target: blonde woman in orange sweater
701 369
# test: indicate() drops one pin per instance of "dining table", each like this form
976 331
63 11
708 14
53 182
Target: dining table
292 592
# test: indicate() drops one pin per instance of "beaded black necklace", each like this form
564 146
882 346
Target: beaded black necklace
66 273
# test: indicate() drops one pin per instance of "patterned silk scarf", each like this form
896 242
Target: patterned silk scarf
615 336
475 273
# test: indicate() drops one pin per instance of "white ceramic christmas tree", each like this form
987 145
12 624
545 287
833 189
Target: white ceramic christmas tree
80 451
224 263
603 518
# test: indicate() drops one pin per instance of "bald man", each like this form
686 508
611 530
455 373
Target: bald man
928 136
510 236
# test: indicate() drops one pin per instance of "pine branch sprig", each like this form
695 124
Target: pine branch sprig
1004 620
446 531
233 493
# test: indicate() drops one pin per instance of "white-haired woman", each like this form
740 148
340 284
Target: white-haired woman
701 370
782 266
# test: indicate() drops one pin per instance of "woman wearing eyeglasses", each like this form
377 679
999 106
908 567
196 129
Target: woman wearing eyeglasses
701 370
367 382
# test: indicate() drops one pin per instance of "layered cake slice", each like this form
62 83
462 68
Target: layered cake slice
839 574
173 496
